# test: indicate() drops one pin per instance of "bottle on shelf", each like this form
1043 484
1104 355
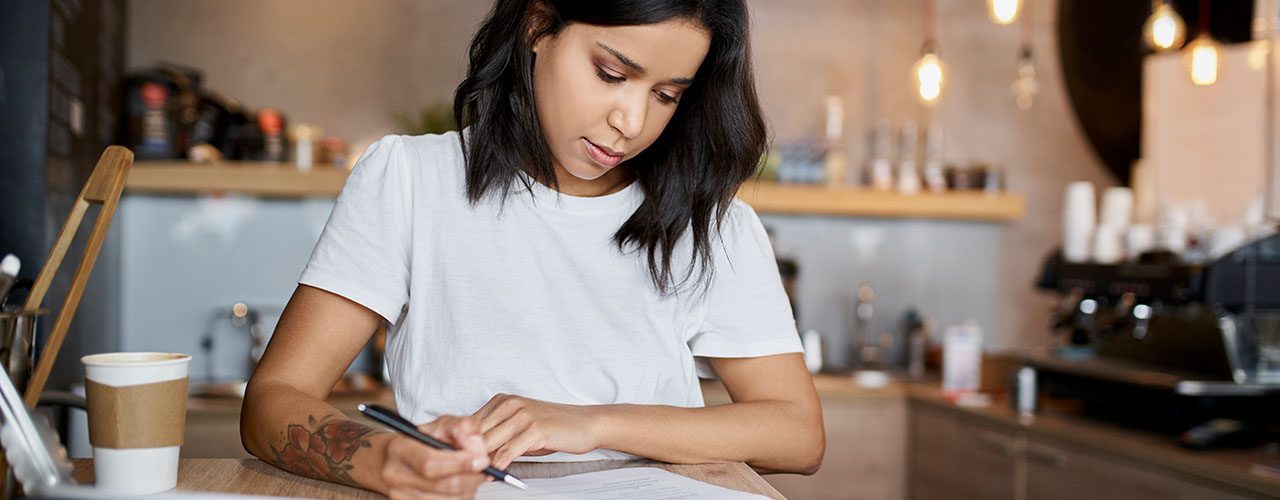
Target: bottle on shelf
879 170
305 138
151 117
835 163
274 144
935 178
908 169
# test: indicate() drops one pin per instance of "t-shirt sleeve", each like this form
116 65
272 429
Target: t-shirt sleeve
747 312
363 252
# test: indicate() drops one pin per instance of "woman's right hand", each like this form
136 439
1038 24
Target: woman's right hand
414 470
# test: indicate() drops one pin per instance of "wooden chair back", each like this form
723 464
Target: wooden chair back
103 188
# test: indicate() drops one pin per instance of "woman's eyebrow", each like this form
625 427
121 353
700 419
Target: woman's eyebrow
626 61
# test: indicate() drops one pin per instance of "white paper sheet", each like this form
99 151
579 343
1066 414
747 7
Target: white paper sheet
634 483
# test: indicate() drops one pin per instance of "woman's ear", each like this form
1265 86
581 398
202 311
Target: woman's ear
537 20
538 44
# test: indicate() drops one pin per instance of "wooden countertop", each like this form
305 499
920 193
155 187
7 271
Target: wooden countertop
225 475
279 180
1226 466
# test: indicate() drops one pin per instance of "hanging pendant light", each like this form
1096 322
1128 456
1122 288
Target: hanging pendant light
1002 12
929 75
1204 60
928 71
1026 87
1164 30
1203 52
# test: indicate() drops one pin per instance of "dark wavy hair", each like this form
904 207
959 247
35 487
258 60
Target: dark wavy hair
713 143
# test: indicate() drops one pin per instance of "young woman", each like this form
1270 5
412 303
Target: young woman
557 276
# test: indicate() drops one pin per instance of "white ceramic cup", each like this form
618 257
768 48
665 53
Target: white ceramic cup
1140 238
134 471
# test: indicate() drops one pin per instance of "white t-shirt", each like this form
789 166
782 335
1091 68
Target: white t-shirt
533 298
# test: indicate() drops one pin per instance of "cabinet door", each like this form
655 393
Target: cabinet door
1056 471
866 454
954 458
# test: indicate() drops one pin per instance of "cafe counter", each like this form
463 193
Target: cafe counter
906 440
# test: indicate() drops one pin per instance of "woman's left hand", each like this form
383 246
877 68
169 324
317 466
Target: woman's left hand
514 426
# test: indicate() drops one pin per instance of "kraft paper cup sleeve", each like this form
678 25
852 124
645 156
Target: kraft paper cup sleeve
137 416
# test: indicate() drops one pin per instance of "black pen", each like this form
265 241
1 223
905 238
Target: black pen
389 418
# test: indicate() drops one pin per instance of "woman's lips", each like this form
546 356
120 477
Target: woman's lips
600 156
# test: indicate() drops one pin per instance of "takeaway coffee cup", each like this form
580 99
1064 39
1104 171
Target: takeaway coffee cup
137 404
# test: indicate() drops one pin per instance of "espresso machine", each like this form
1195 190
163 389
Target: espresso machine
1162 344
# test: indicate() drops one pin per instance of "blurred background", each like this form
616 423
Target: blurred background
1030 244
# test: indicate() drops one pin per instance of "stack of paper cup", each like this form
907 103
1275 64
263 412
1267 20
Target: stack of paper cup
137 404
1117 207
1117 212
1108 244
1079 218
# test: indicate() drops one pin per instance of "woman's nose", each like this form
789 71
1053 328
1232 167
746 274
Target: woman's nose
628 118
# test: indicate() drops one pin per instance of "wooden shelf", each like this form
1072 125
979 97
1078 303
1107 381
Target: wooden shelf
250 178
801 199
286 181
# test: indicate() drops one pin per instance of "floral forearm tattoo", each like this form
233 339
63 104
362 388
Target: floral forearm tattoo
322 449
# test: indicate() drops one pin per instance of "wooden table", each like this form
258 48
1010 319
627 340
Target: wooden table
227 475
